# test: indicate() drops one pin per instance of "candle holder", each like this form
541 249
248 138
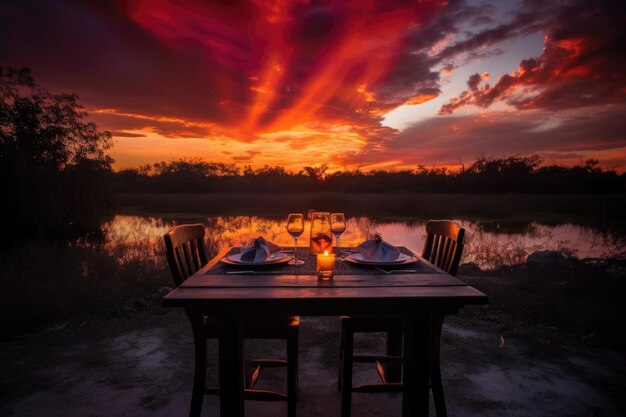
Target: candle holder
325 265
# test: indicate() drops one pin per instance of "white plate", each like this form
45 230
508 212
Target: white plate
273 258
402 259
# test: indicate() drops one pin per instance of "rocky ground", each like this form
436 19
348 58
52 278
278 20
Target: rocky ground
138 361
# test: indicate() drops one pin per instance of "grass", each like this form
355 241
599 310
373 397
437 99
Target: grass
582 298
44 282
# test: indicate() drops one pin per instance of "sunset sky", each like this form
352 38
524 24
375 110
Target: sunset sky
354 84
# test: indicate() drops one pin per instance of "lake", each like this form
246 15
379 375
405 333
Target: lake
489 244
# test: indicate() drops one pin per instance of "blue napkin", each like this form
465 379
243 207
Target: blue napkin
378 251
259 251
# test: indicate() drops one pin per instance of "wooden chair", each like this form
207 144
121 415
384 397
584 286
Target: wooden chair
443 248
186 254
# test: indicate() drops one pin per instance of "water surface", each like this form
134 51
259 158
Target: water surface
489 244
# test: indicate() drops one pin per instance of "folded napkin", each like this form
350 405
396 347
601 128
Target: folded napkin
259 251
377 250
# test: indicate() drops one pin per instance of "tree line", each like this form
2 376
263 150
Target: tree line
520 174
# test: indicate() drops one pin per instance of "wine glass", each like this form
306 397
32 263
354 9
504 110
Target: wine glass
337 226
321 235
295 227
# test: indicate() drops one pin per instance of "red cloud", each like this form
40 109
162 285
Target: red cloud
276 65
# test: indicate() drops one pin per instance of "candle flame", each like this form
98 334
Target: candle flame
325 253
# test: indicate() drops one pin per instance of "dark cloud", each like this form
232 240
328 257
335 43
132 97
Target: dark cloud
248 157
127 135
482 20
168 127
95 50
443 140
583 64
473 81
523 23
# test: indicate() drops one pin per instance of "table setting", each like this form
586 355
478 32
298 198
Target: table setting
321 257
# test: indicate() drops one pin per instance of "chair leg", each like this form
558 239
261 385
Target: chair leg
341 353
292 371
435 370
247 381
200 369
347 336
394 348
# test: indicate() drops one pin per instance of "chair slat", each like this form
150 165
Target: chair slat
263 395
449 251
186 251
444 244
443 250
378 388
180 263
436 249
188 258
377 358
195 253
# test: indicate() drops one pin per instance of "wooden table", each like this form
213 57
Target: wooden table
414 297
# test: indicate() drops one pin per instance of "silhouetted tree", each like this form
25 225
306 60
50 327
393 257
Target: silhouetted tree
487 175
318 172
53 169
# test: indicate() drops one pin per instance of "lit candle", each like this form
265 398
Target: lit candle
325 265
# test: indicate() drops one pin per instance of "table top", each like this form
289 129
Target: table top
353 290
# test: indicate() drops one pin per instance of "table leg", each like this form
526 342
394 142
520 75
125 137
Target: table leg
200 369
346 370
435 366
231 366
415 376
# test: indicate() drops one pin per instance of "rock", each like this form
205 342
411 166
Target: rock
136 304
163 291
550 259
469 269
616 270
59 325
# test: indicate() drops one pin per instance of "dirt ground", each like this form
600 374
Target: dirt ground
138 361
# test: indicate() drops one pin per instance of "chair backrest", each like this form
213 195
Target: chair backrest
444 244
186 252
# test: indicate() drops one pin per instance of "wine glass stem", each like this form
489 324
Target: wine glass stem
295 249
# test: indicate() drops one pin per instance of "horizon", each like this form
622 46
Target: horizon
354 85
449 170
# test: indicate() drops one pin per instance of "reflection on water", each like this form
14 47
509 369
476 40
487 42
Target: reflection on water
129 238
489 244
